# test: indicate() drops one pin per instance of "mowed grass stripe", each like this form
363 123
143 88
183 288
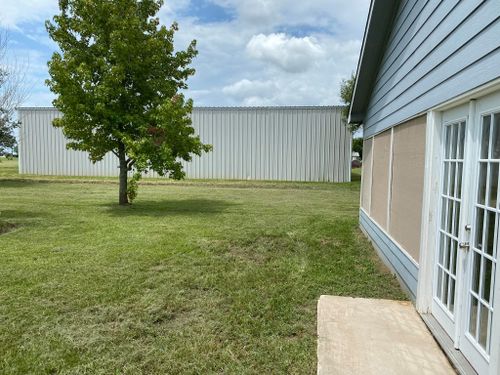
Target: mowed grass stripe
198 279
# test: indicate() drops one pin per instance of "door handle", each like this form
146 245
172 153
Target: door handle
464 246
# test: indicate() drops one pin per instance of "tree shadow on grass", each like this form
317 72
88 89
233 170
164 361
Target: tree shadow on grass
178 207
19 183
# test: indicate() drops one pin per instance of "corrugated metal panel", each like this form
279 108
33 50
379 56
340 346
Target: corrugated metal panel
437 51
257 143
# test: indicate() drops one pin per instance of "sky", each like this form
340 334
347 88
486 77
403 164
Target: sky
251 52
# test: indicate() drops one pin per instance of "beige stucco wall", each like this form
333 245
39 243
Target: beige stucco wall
380 178
407 184
366 175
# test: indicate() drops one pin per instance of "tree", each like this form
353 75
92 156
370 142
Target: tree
346 92
12 93
357 146
117 81
7 139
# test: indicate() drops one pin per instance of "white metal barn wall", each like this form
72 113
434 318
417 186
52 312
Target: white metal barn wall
258 143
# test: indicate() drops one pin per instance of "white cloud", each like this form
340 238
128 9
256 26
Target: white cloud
174 6
228 74
16 12
246 88
344 17
291 54
270 52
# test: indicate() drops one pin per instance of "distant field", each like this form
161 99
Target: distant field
199 277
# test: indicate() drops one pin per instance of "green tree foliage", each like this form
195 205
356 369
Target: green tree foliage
346 92
117 81
11 95
7 139
357 146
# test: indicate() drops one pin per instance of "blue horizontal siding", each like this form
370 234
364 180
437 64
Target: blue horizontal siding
441 50
405 269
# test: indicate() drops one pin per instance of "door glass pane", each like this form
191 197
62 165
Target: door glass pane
478 238
458 190
476 270
444 210
454 141
445 289
449 218
489 233
473 317
446 263
461 141
495 152
453 261
486 288
483 325
447 142
446 174
439 285
492 196
446 252
453 166
456 219
485 137
442 248
451 302
483 169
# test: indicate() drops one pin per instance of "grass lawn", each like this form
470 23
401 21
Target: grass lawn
194 278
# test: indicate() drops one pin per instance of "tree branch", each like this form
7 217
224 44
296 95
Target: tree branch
13 88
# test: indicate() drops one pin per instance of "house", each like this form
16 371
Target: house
428 97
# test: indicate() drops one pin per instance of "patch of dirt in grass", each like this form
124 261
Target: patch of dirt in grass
6 227
329 242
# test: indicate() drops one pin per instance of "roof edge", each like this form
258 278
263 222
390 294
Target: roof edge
298 107
378 27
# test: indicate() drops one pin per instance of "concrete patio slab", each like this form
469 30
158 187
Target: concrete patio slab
371 336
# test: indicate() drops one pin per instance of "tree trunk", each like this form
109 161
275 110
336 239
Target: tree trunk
122 157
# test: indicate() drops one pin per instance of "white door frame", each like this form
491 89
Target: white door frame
431 196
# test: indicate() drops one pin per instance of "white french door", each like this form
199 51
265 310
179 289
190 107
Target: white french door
465 267
448 270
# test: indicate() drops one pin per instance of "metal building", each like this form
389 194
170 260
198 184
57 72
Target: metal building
256 143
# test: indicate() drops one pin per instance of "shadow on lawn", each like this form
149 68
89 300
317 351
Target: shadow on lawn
180 207
19 182
10 214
